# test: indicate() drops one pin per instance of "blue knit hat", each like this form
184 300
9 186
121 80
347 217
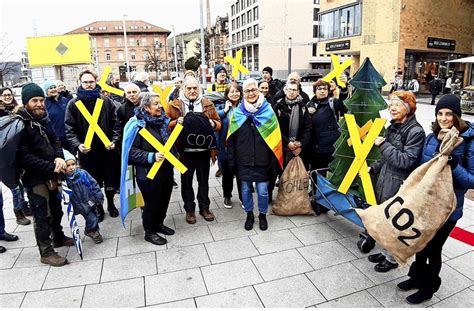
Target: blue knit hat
29 91
68 156
218 68
47 84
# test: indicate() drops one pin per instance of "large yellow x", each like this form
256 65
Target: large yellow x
163 94
165 150
103 83
236 65
338 70
361 151
92 120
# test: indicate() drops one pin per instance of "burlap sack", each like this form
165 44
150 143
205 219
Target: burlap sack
292 198
406 222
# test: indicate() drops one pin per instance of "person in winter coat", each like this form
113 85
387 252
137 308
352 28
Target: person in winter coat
233 95
62 90
126 110
293 77
156 192
8 103
400 151
263 87
56 108
336 91
86 195
220 85
424 272
274 85
102 162
114 82
195 159
435 86
41 157
142 80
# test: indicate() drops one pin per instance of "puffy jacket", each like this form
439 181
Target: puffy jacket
401 154
463 173
85 191
57 113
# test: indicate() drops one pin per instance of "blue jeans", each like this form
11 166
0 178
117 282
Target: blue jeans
262 195
2 220
92 223
18 197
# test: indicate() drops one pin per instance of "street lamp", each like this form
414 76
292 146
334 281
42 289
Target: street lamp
175 57
289 55
126 46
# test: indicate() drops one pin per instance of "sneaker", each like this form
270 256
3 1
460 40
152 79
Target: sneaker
54 260
419 297
407 284
8 237
218 173
249 221
190 218
262 222
2 249
95 236
385 266
165 230
227 202
154 238
207 214
66 241
376 258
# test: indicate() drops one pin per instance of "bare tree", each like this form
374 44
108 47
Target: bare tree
6 66
154 61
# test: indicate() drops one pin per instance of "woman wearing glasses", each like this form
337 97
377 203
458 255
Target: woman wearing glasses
7 101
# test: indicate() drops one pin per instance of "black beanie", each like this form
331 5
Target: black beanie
219 68
269 70
449 101
29 91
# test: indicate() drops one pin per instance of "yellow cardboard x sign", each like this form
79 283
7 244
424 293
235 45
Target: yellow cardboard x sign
361 151
163 94
362 131
92 120
236 65
165 150
103 83
338 70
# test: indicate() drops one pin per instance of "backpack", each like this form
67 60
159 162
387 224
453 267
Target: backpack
11 127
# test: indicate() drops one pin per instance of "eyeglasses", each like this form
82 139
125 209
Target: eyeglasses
87 82
52 87
7 95
322 89
251 91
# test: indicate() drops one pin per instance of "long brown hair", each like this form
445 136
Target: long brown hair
236 86
458 123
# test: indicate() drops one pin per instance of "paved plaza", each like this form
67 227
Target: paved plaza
300 261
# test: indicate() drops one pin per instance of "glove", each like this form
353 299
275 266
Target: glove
453 161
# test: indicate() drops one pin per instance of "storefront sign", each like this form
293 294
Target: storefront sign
339 45
445 44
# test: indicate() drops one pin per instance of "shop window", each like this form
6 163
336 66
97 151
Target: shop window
315 45
341 23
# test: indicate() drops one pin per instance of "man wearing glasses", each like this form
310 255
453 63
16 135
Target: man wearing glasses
126 110
102 162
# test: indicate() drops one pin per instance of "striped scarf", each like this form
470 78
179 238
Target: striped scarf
267 125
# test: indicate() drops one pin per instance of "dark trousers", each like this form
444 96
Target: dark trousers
320 161
156 194
427 266
433 98
47 214
198 162
228 174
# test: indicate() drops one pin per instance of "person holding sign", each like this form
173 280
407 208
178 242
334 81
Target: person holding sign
401 151
100 158
424 272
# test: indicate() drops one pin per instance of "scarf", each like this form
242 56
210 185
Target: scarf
294 117
88 96
252 108
190 106
264 119
160 122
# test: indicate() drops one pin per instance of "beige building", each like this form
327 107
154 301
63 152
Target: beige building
218 40
416 38
147 50
185 49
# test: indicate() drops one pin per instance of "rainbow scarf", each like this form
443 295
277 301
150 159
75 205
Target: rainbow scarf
267 125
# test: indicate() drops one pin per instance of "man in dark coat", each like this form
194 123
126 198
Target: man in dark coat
293 77
102 162
274 85
435 88
126 110
41 158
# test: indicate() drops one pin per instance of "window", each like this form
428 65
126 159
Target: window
237 6
156 41
249 33
132 41
315 15
133 55
315 49
144 43
242 17
341 23
316 1
238 22
233 39
233 24
243 35
145 55
120 55
107 56
106 43
255 13
233 10
255 31
238 37
249 16
119 42
315 31
242 5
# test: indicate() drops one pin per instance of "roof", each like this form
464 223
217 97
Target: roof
108 27
469 59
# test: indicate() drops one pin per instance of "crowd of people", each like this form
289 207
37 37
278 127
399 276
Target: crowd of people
233 131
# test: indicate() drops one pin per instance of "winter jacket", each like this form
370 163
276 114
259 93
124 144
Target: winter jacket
435 86
401 154
86 192
281 94
124 113
222 134
66 94
463 173
274 86
324 121
57 113
38 148
143 87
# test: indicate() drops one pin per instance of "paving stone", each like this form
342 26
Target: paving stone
227 250
136 244
292 292
463 264
276 241
279 265
30 257
276 223
463 299
127 267
22 280
173 209
345 228
233 214
315 234
78 273
357 300
230 275
11 300
137 225
180 221
91 251
186 303
452 282
326 254
135 214
8 259
230 230
180 258
54 298
454 248
119 294
367 268
174 286
390 296
340 280
11 223
237 298
114 228
190 236
300 221
25 239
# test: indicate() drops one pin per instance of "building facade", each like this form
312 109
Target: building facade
218 41
186 47
412 38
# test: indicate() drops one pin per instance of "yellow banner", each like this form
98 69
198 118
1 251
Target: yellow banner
59 50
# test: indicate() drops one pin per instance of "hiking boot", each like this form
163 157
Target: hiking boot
27 211
100 213
262 222
154 238
95 236
207 214
113 211
54 260
2 249
20 218
419 296
227 202
385 266
165 230
407 284
249 221
376 258
8 237
190 218
218 173
65 241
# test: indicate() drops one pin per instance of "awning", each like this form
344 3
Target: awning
469 59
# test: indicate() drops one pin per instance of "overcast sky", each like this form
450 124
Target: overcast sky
18 18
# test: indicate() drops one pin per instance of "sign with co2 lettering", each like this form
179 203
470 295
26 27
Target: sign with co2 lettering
402 220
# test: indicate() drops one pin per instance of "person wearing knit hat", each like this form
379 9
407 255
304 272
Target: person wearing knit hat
449 101
267 72
48 84
274 85
29 91
56 107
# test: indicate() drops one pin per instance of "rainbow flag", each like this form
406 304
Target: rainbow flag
267 125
